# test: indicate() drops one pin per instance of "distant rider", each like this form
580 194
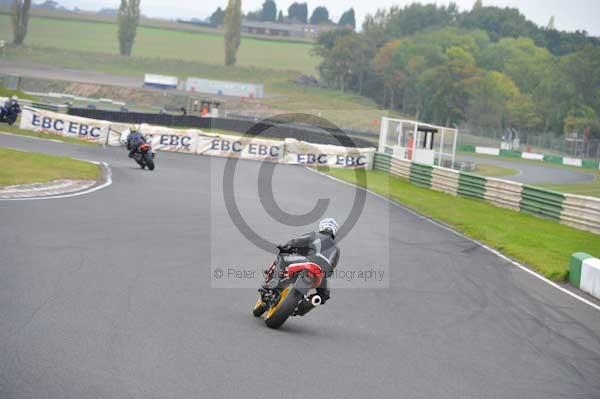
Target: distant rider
319 247
11 106
134 140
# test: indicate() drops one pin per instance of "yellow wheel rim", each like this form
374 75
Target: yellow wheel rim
273 309
259 303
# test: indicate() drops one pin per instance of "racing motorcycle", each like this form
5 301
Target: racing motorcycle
285 292
144 156
10 113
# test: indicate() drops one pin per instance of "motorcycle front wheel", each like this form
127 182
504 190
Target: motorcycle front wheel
279 313
149 161
259 308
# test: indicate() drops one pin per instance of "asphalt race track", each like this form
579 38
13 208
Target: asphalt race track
532 172
110 295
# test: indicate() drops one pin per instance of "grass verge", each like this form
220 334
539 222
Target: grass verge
17 167
591 189
41 135
543 245
4 92
488 170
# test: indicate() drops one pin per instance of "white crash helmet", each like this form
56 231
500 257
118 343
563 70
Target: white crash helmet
328 225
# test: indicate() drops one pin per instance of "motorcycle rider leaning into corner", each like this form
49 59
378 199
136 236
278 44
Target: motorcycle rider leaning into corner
13 103
319 247
134 140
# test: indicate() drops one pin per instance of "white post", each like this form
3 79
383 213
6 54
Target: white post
454 146
440 163
383 134
415 139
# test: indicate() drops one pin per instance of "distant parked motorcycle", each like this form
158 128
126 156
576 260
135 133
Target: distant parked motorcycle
144 156
285 292
10 111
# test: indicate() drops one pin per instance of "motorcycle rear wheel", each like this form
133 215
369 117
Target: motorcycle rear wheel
279 313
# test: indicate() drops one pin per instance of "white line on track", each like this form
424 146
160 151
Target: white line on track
482 245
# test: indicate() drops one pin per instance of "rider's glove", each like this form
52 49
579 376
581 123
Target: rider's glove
284 248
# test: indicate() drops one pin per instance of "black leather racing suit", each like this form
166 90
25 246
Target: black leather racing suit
319 248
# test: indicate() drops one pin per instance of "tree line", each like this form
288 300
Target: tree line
296 13
489 67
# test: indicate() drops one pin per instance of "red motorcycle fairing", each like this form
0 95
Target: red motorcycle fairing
313 270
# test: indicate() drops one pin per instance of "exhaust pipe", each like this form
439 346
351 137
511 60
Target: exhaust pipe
315 300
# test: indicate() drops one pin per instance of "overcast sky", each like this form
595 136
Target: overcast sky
569 14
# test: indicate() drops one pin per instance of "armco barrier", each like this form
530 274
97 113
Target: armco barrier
312 134
195 141
510 153
584 273
466 148
420 174
573 210
470 185
382 162
445 180
589 164
581 212
555 159
400 168
540 202
506 194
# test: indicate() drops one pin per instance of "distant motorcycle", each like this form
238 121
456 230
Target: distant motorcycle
285 291
10 112
144 156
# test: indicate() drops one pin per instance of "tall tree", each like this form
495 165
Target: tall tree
269 11
217 17
392 77
298 12
551 24
320 15
490 95
20 20
128 18
450 93
280 17
478 5
233 31
348 19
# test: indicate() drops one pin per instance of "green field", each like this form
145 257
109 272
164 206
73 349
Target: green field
84 45
17 167
199 47
543 245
